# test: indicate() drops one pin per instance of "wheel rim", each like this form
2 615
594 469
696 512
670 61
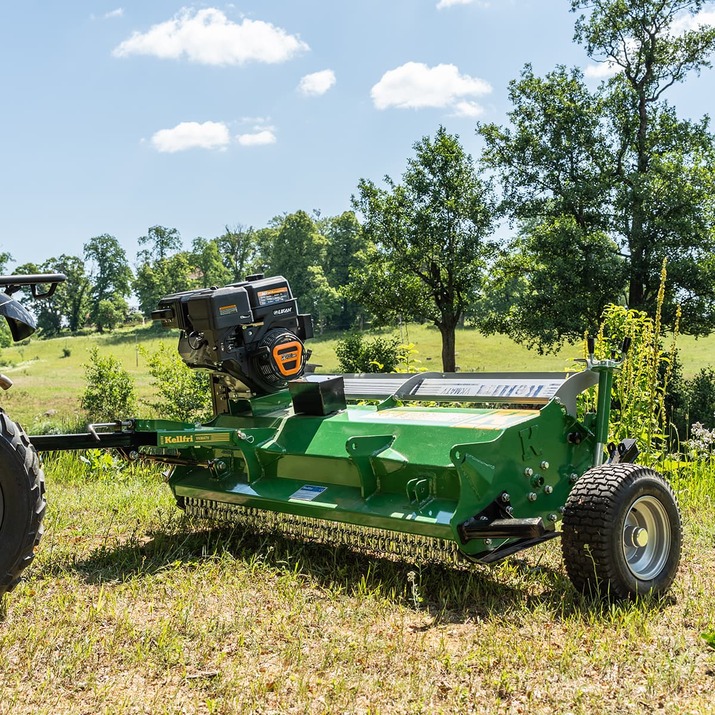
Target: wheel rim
647 538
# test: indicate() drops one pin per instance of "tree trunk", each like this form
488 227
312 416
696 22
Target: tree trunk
448 345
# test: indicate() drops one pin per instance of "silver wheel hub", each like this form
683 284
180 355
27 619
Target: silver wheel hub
647 538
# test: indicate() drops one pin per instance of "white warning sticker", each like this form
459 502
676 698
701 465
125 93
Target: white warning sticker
308 492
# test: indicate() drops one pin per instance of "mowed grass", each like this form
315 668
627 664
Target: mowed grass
46 380
131 608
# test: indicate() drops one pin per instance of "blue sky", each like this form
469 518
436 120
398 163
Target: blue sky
120 116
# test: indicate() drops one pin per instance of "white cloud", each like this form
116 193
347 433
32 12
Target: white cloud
192 135
257 138
317 83
467 109
692 22
119 12
208 37
602 70
451 3
414 85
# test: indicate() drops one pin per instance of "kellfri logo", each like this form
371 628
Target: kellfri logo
178 439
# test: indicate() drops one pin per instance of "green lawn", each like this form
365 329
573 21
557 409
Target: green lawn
131 608
47 381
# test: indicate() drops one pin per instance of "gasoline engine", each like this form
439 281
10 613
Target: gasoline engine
248 333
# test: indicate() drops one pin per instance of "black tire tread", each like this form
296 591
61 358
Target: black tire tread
28 462
588 524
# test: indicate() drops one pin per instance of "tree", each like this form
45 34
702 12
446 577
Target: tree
206 259
110 277
162 241
164 276
162 269
298 252
69 305
344 256
616 162
240 251
579 272
5 258
427 239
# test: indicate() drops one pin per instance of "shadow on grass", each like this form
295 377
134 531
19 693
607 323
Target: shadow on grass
448 593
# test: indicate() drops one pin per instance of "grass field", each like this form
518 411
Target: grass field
48 381
130 607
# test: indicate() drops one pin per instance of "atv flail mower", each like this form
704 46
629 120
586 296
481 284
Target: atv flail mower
470 466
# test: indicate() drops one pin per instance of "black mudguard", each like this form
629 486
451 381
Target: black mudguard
22 323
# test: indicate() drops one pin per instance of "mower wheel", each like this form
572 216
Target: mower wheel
622 532
22 502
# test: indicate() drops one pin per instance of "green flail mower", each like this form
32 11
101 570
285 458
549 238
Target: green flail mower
381 462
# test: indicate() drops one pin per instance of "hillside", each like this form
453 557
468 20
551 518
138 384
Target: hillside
49 374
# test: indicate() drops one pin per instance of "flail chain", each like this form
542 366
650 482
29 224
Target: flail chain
409 547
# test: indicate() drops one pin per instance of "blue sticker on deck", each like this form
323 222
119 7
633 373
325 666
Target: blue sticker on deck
308 492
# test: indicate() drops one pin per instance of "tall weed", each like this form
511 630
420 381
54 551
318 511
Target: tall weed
638 407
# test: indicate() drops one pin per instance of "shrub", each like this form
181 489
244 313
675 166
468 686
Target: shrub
700 393
355 354
109 394
183 394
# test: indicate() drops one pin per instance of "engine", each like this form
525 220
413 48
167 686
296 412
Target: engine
250 331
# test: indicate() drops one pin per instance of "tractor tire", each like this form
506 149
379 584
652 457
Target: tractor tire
622 532
22 502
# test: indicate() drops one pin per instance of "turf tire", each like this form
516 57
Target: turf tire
599 548
22 502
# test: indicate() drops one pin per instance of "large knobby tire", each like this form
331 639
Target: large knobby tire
22 502
622 532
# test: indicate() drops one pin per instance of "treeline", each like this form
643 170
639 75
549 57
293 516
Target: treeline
596 187
317 255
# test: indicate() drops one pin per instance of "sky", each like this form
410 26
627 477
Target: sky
118 116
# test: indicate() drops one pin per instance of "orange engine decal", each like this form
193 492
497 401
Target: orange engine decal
289 357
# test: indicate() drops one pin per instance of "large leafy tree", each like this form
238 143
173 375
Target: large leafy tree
345 248
616 164
208 265
70 303
160 242
110 278
156 279
427 239
162 267
298 252
240 251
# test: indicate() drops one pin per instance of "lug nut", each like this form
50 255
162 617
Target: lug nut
544 465
532 496
553 517
548 489
528 472
505 498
